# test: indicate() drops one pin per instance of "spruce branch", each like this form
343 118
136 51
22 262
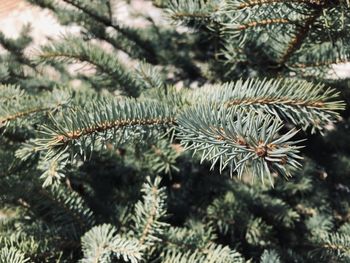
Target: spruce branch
235 125
10 93
286 32
112 73
265 22
318 64
344 229
150 76
224 211
101 244
62 207
84 129
53 170
149 212
321 56
242 28
253 3
25 113
195 236
270 256
12 255
212 253
303 103
59 208
87 128
23 105
238 139
96 29
104 19
331 246
258 232
196 243
278 209
192 12
298 39
318 225
267 27
28 243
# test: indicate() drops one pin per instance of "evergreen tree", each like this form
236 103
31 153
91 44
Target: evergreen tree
125 166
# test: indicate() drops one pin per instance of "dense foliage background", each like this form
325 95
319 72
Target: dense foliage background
179 141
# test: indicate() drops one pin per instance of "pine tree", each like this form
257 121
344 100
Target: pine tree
246 162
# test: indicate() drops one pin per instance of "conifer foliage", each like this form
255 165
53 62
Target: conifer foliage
176 143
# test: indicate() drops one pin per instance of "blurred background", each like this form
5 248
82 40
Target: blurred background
14 14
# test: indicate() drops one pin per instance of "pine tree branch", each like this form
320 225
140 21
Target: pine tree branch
192 12
22 105
63 209
10 93
150 76
102 121
97 30
77 218
73 49
101 242
190 15
105 126
149 212
182 240
295 100
26 113
107 22
253 3
335 244
287 43
13 255
52 170
213 253
152 216
283 101
298 39
318 64
236 139
261 23
270 256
